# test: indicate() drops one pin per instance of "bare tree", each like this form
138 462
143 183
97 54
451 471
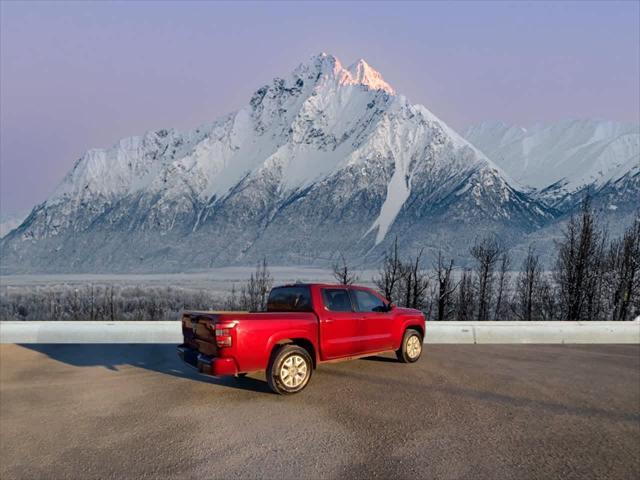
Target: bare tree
111 304
486 253
623 261
445 287
547 297
343 272
577 263
389 277
414 283
53 301
503 281
247 298
431 301
76 306
465 304
420 284
91 301
231 302
264 282
528 285
595 285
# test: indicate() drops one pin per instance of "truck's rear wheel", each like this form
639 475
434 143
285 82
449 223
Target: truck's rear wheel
411 347
289 370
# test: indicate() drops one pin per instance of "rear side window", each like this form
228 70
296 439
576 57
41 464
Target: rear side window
368 302
289 299
337 299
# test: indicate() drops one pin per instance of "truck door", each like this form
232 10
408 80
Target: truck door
375 330
340 324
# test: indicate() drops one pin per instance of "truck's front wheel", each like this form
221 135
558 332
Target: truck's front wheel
411 347
289 370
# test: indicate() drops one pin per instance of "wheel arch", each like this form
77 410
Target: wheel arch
414 325
303 342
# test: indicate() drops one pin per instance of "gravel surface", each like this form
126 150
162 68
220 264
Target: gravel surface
472 411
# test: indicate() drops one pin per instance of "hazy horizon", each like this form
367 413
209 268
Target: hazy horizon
76 76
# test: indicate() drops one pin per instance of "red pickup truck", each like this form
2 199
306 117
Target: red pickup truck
304 325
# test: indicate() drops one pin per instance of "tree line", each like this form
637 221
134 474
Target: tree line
102 302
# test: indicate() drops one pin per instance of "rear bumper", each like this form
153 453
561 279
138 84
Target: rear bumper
205 364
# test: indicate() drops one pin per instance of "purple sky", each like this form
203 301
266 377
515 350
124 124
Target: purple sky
80 75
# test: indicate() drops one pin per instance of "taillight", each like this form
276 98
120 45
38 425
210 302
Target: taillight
223 334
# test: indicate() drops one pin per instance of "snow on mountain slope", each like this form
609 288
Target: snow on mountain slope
327 158
569 155
9 221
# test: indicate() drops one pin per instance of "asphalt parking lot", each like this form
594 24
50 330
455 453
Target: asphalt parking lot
463 411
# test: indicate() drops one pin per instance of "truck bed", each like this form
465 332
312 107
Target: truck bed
252 335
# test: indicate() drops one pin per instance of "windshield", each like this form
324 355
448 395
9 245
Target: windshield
290 299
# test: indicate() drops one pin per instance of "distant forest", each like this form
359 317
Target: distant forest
594 277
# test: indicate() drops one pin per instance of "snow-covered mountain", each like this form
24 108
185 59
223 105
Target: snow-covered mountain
9 221
563 161
328 158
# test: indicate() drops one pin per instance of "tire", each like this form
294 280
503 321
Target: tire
411 347
287 359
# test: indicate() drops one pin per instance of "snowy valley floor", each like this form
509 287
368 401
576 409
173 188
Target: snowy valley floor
218 280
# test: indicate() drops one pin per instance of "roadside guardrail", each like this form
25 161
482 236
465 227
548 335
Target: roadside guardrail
437 332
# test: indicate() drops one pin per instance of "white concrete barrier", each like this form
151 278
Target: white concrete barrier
533 332
437 332
449 332
91 332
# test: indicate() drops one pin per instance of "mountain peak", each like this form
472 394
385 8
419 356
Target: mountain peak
364 74
359 73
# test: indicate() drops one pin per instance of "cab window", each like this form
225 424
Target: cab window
368 302
337 299
290 299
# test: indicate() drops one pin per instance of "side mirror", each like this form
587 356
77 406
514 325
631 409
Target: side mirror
390 306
